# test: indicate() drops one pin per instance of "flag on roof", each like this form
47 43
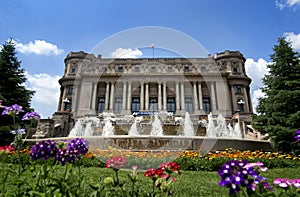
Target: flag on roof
152 46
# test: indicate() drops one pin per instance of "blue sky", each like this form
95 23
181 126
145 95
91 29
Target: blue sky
46 31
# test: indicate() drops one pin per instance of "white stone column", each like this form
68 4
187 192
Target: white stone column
94 98
159 95
164 96
63 98
124 95
129 96
234 100
142 96
182 97
246 109
147 97
112 96
107 96
200 96
177 96
196 108
212 96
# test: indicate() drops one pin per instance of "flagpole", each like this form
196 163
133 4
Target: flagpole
152 46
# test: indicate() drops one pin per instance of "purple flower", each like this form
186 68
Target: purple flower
282 182
237 174
81 145
31 115
14 109
67 155
43 150
297 136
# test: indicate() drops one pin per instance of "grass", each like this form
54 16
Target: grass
189 183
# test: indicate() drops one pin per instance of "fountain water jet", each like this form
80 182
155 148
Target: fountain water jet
157 129
133 129
108 129
188 126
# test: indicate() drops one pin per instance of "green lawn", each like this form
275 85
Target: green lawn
189 183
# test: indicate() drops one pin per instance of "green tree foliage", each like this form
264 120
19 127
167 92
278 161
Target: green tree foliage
12 89
279 110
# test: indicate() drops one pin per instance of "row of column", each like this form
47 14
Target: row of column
161 96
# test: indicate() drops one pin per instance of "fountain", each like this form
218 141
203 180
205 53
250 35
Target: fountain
222 129
220 134
157 129
133 129
83 127
108 129
188 126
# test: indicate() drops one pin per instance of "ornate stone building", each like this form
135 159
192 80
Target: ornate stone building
92 85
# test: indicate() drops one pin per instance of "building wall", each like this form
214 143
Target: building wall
219 80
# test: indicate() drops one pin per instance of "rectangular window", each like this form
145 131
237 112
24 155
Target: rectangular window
68 104
186 69
153 104
171 104
238 89
120 69
118 105
70 89
188 104
101 104
135 105
206 104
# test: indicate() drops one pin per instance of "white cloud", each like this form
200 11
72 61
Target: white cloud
126 53
256 94
294 38
256 71
281 4
39 47
47 92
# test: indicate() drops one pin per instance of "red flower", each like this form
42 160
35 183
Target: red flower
6 149
170 167
116 162
154 173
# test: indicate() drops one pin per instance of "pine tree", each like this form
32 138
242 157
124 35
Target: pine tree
12 89
279 110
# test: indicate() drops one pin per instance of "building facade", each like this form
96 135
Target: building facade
92 86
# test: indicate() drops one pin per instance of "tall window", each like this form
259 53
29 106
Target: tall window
238 89
70 89
206 105
73 71
101 104
135 106
118 104
68 104
171 104
240 105
188 104
153 104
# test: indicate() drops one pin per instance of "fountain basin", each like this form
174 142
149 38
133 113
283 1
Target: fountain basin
169 143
